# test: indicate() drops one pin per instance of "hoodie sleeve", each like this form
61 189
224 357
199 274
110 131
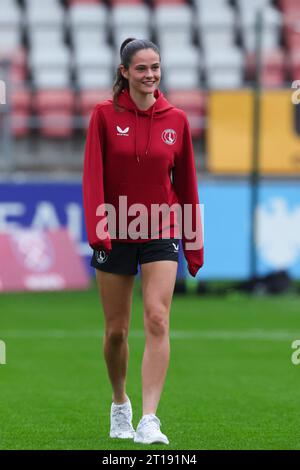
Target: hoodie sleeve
93 188
186 188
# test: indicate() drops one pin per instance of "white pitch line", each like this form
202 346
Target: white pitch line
264 335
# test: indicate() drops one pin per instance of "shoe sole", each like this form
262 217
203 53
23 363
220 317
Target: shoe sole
118 436
155 441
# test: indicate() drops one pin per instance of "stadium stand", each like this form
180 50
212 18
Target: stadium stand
64 54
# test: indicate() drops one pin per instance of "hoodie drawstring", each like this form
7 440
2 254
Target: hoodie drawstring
136 133
150 132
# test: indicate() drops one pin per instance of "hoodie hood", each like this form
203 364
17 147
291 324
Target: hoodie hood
160 106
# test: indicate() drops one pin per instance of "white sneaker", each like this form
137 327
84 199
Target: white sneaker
121 421
148 431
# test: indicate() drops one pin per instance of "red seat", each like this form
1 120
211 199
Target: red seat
87 100
288 6
21 110
294 63
274 68
55 109
192 102
17 59
291 30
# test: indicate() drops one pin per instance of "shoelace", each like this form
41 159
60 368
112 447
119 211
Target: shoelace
122 418
151 425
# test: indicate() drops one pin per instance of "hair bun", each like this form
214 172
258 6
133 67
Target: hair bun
124 44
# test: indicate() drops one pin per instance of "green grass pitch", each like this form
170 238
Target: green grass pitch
231 383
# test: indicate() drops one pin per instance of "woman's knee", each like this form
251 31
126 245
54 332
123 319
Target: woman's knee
116 334
157 321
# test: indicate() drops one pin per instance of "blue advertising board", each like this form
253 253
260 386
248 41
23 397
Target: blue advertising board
226 215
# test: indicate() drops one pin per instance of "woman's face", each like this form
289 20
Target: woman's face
144 71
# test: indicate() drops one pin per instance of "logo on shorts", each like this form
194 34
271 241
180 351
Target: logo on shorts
101 256
176 247
169 136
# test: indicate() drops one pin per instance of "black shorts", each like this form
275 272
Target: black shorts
124 257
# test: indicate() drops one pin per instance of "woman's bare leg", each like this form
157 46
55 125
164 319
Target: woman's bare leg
116 294
158 281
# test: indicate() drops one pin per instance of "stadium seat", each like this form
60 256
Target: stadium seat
94 67
216 27
45 16
253 4
54 58
17 60
47 37
21 107
173 24
168 2
88 15
87 100
51 78
289 6
88 24
129 32
94 79
55 110
181 80
130 21
115 3
10 25
294 64
224 68
272 22
183 73
273 68
291 30
50 67
192 102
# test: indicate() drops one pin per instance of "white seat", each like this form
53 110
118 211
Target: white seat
88 16
55 78
94 79
84 38
135 32
224 68
44 4
10 15
253 4
216 28
167 38
46 36
45 17
181 80
47 58
229 80
271 28
94 58
210 5
173 24
182 57
10 38
130 16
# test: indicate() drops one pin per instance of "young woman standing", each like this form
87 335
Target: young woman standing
139 147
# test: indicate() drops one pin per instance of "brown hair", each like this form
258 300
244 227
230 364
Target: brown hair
127 50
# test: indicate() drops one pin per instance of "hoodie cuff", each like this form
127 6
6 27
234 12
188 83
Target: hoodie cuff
104 245
193 269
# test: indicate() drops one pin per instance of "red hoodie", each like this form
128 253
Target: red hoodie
146 156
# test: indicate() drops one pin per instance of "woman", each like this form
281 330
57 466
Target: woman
138 148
